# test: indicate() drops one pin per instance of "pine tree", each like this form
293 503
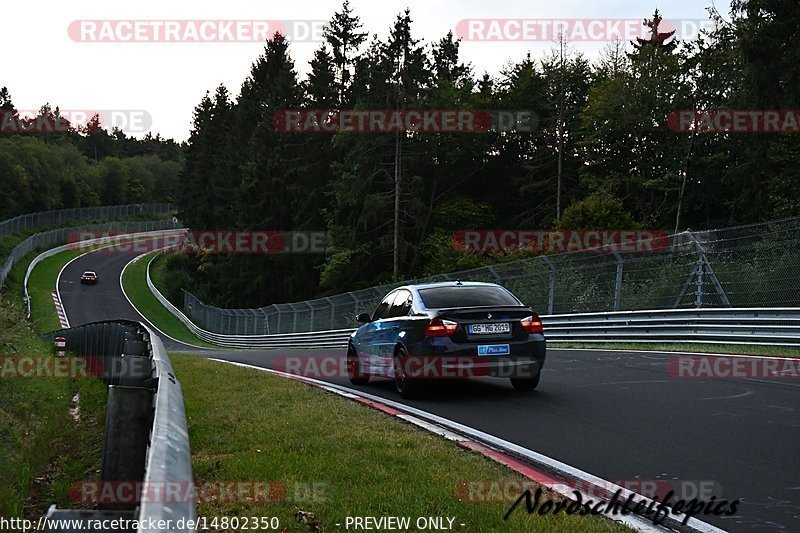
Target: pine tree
5 99
345 38
321 84
446 62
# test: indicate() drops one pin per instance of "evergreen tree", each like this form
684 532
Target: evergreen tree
344 37
321 84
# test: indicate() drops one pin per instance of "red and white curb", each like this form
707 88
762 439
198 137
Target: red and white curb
62 316
531 464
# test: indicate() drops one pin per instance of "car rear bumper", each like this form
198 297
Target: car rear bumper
442 358
463 367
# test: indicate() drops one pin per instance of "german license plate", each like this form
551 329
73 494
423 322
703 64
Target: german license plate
488 329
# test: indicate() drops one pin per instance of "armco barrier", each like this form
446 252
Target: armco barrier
61 235
778 326
758 326
57 250
751 266
146 436
325 339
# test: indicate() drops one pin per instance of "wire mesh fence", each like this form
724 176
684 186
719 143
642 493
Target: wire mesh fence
59 236
60 217
744 266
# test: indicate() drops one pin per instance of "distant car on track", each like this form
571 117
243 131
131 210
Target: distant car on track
448 330
89 277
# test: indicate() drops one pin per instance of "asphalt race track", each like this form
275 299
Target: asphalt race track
617 415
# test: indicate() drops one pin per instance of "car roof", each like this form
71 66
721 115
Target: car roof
88 271
450 284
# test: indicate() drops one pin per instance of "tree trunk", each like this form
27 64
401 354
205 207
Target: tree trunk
683 183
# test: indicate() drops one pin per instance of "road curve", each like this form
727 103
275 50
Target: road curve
104 301
617 415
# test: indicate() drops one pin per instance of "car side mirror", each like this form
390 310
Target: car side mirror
364 318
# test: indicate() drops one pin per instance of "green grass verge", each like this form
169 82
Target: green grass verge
40 286
251 426
134 281
734 349
158 273
43 450
43 282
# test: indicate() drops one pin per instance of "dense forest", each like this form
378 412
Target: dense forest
602 156
46 163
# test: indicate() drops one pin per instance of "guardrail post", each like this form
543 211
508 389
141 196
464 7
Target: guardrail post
266 320
551 297
333 311
356 303
255 321
294 318
698 295
61 346
125 451
701 266
618 283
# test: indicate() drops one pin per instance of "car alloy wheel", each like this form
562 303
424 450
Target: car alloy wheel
407 387
354 372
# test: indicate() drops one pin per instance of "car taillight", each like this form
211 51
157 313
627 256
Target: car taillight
440 328
532 324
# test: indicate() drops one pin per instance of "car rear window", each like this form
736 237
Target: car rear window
444 297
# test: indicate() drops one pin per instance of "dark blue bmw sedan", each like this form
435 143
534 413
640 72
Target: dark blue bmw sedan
448 330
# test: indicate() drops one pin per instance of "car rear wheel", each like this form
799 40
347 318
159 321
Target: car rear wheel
406 386
354 371
526 384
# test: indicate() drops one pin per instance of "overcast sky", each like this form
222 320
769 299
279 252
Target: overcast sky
42 61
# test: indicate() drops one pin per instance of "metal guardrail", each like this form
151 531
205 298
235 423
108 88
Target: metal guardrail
326 339
758 326
42 219
744 266
61 235
99 240
168 456
771 326
146 435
